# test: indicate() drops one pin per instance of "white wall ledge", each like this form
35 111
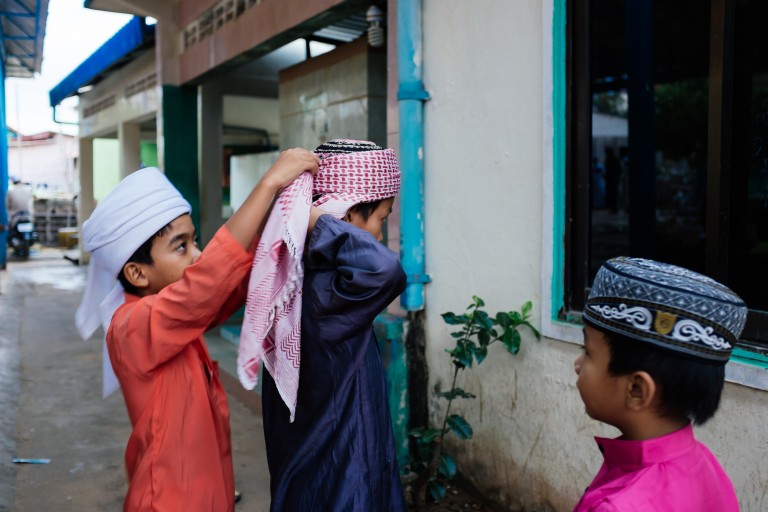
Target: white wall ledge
736 371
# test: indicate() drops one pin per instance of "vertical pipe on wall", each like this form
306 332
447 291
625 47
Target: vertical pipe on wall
411 96
3 169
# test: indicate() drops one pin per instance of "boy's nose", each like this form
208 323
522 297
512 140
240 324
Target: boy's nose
577 363
195 253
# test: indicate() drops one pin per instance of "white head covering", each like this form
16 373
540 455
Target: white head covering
137 208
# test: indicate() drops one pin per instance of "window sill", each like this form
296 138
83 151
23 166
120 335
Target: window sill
746 368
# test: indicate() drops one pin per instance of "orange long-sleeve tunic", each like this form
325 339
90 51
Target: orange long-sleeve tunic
179 455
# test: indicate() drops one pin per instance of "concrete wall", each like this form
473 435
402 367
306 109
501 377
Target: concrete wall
489 201
340 94
253 112
136 107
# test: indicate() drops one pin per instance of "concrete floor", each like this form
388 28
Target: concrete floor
50 395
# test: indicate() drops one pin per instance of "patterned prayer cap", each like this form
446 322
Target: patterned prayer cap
670 307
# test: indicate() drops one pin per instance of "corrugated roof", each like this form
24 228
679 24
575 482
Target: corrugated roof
23 30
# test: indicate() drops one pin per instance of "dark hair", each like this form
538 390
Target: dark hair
689 389
365 209
142 255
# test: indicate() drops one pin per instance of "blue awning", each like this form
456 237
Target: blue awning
118 51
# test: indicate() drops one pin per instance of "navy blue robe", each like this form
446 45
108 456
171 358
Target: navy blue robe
339 453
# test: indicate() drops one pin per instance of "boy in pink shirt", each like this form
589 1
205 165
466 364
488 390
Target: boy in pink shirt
656 340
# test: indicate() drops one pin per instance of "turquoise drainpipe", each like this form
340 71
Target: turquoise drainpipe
411 97
389 336
3 170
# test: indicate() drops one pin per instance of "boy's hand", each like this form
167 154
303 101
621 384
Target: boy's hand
248 221
289 165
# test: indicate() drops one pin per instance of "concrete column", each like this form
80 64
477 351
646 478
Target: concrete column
167 40
178 117
86 203
129 137
210 158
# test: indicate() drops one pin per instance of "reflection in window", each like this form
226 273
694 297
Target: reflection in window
649 89
749 266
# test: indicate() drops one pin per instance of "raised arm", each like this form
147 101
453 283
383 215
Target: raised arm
357 275
168 321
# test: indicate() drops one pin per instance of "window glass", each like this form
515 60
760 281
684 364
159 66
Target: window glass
649 66
749 263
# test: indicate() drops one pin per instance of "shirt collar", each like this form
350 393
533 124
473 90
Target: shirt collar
619 452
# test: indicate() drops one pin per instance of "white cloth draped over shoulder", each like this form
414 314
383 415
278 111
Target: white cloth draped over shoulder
271 330
137 208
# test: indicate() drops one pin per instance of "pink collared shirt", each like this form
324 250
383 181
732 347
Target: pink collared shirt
672 473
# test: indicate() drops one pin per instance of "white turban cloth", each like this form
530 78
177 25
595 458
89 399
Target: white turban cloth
138 207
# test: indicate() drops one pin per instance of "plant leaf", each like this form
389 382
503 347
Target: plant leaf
478 301
532 328
515 317
526 309
437 490
425 435
484 338
481 353
463 352
482 320
456 393
447 466
460 427
453 318
511 340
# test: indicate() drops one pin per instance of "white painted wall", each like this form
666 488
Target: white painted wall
137 107
245 173
488 215
253 112
50 162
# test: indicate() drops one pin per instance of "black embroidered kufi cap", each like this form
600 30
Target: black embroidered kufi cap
668 306
344 146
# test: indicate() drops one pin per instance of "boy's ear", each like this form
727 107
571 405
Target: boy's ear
641 391
134 274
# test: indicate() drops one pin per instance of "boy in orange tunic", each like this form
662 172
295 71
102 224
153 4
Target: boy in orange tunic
156 293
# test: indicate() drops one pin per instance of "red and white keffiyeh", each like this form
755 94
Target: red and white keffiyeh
351 172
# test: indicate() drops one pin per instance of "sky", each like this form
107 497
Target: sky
72 34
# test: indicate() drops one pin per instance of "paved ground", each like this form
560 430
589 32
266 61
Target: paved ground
50 395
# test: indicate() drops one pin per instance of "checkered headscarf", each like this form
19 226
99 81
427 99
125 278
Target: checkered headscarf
354 172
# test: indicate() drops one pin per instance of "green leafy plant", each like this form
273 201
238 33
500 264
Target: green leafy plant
476 331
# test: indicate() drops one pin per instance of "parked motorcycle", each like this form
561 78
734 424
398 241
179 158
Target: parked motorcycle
22 234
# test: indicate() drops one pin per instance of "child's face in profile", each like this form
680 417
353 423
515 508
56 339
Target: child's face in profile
602 393
375 222
172 252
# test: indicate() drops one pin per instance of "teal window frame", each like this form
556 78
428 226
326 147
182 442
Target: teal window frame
560 86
